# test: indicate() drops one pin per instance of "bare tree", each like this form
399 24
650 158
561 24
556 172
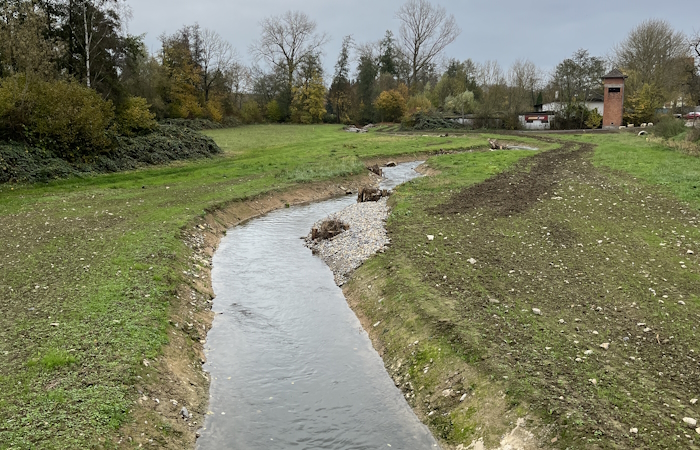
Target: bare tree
654 53
489 73
287 40
218 58
425 32
524 79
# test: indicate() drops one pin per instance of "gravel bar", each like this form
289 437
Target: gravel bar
366 236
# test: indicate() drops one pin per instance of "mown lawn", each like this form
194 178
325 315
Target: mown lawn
565 290
88 270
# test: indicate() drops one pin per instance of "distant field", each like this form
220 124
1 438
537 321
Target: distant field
565 290
89 269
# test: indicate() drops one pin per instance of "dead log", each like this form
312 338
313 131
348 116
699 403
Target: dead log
376 170
371 195
495 145
328 229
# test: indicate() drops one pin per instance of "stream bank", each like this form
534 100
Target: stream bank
289 361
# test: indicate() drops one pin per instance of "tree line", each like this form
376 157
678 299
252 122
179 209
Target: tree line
80 50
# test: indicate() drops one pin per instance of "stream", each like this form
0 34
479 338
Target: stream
290 364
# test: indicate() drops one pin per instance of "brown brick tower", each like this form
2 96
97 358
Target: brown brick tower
614 100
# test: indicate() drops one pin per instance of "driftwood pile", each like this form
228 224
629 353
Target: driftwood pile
496 146
354 129
375 169
328 229
371 195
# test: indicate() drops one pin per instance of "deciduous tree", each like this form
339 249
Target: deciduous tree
286 40
424 33
657 54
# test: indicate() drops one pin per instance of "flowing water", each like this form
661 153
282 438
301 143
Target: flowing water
291 366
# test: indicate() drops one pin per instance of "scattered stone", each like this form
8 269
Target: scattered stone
146 363
593 381
588 352
681 302
447 393
494 301
431 237
562 321
471 261
690 252
390 164
690 422
605 345
693 401
185 414
536 311
464 396
634 431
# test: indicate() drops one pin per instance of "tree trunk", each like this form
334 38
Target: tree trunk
87 45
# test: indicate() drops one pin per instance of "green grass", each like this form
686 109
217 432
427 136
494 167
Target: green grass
599 249
89 267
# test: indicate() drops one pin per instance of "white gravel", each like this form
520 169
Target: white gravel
347 251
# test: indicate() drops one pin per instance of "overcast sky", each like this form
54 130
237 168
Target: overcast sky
543 31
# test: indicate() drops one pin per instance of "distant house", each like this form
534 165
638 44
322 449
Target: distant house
538 120
593 103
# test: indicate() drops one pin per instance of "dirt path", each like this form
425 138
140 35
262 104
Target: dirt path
577 286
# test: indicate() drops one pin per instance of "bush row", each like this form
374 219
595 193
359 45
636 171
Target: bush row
20 162
66 118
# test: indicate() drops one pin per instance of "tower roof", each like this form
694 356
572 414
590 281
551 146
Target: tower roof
615 73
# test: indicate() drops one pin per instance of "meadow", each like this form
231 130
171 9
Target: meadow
597 233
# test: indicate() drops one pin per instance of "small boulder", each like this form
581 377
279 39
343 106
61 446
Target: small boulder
390 164
690 422
536 311
605 345
185 414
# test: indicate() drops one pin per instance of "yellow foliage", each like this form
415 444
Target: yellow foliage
391 105
214 110
136 117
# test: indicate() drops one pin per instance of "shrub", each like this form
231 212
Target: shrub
595 120
250 113
669 127
419 103
135 117
70 119
390 105
214 111
274 112
62 116
693 135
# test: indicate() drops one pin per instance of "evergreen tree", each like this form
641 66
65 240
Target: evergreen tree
339 93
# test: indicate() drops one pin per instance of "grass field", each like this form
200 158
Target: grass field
89 270
565 291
